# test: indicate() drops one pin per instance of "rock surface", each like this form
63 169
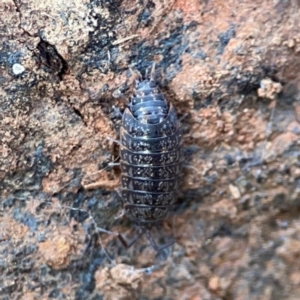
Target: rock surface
231 66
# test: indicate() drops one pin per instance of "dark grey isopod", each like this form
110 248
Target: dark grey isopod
150 158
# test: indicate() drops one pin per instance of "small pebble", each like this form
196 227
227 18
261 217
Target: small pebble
18 69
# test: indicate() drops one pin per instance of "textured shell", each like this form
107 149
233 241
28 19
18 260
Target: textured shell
150 155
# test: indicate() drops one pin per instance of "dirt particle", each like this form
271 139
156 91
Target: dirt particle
269 89
58 249
235 192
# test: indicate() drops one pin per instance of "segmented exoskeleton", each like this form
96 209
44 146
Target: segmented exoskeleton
150 158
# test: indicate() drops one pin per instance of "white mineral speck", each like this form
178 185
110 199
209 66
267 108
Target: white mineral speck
18 69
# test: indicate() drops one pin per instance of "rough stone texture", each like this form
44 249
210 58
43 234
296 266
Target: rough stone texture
231 66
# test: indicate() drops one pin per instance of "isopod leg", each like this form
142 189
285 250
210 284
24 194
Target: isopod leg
129 244
123 212
120 195
155 246
114 164
182 117
113 140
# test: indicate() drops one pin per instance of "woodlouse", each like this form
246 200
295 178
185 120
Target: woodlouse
150 158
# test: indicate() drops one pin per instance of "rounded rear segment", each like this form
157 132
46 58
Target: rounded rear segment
148 105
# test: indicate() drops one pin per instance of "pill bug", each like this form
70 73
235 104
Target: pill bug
150 158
